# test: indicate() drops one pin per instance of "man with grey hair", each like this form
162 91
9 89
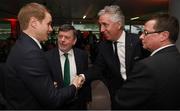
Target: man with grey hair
117 53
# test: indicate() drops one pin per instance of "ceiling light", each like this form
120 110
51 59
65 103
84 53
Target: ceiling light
84 16
134 18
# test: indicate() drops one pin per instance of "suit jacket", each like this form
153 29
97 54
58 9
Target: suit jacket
154 84
106 66
81 60
3 102
1 77
28 83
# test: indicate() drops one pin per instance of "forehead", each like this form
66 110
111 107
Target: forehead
48 16
69 32
150 24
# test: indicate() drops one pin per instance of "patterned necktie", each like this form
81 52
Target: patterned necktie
116 53
66 71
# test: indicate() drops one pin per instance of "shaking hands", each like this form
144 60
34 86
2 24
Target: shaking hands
78 81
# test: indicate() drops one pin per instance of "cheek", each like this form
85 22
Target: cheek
150 43
145 41
115 28
109 31
58 41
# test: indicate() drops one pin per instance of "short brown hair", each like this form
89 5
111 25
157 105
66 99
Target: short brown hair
68 27
31 10
166 22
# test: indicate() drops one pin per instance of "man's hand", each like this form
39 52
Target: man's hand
78 81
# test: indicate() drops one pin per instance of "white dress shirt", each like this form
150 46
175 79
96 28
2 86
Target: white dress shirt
73 70
121 54
155 51
38 43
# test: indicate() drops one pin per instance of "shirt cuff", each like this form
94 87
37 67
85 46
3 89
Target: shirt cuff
82 75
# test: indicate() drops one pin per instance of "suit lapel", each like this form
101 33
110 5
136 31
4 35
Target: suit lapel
110 54
78 60
128 51
57 67
28 40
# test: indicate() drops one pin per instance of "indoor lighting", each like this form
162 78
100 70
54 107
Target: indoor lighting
84 16
134 18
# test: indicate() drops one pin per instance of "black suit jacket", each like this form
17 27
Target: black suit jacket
1 77
28 83
3 102
81 60
106 66
154 83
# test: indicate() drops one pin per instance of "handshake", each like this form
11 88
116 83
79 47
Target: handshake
78 81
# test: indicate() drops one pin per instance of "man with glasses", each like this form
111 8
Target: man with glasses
155 81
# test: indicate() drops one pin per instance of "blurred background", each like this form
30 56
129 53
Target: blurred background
82 14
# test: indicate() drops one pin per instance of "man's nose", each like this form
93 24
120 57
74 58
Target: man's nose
102 29
141 36
63 38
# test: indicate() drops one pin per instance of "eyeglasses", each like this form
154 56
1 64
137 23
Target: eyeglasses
146 33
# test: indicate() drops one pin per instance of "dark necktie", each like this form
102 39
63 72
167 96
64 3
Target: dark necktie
116 53
66 71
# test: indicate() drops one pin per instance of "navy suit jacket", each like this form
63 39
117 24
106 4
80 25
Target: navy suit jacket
28 83
154 83
3 102
81 60
106 67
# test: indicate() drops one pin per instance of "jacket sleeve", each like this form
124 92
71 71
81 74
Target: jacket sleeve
38 81
137 89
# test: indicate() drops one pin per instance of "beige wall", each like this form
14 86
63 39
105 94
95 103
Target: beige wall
174 7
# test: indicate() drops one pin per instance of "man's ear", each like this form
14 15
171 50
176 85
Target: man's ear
75 41
119 27
33 22
164 35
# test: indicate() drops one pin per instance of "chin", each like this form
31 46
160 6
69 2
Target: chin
45 39
108 38
63 50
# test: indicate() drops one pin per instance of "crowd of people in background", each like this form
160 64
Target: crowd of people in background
86 40
140 71
5 47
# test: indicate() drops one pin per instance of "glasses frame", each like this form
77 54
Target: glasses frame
147 33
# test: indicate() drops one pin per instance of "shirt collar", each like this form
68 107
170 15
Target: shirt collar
155 51
70 52
38 43
121 39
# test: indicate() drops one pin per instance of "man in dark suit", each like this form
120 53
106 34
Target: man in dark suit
155 81
78 64
113 63
28 82
3 103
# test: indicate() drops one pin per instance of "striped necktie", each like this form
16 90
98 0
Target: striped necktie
116 52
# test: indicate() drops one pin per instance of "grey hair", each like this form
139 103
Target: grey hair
115 11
